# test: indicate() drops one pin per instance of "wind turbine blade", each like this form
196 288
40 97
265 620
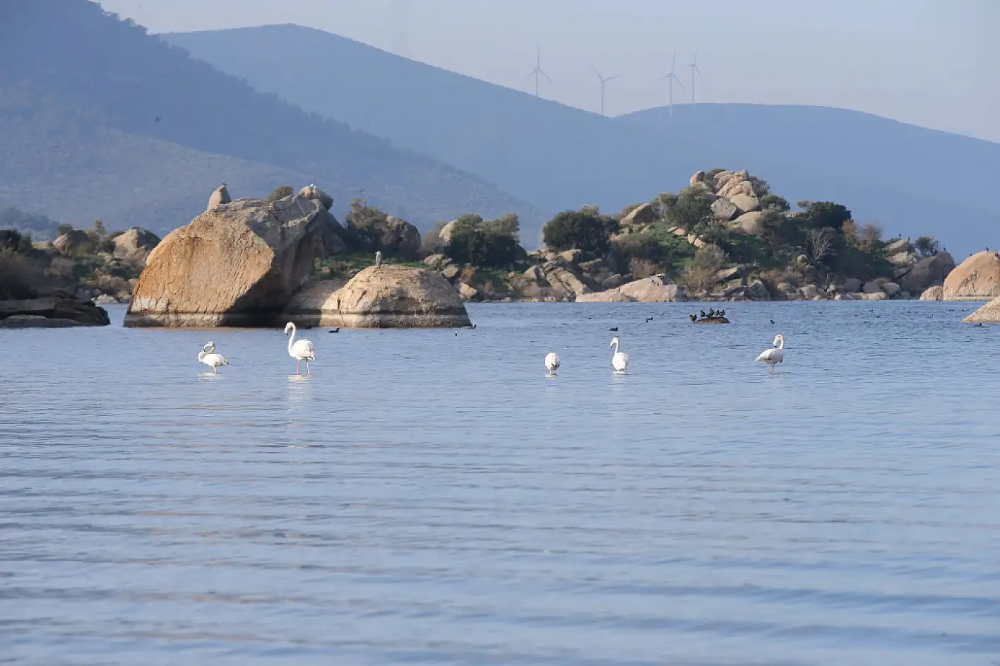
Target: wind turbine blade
612 78
596 72
697 70
695 61
546 76
673 62
678 82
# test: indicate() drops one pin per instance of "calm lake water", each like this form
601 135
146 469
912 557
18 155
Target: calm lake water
427 498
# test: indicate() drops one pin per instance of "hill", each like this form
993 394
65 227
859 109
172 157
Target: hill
108 121
557 157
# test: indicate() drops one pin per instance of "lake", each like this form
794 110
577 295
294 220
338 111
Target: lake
432 498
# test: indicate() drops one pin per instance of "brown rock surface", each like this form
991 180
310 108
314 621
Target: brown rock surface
928 272
381 297
975 279
134 245
237 265
51 312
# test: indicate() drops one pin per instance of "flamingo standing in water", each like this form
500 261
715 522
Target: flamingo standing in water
776 355
620 359
208 356
300 350
552 363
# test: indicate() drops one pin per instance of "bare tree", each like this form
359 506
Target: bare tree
820 243
869 234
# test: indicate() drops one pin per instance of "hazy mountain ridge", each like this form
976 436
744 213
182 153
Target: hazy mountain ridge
137 132
901 176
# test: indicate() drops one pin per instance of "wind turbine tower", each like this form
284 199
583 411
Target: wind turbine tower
538 71
604 82
694 69
670 77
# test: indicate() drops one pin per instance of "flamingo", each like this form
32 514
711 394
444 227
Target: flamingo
301 350
775 355
378 258
552 363
210 358
620 359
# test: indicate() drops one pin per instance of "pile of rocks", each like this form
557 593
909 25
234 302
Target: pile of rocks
56 310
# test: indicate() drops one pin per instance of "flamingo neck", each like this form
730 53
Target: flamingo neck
781 342
617 345
202 355
291 340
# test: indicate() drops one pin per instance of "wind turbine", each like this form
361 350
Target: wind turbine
604 82
538 71
670 77
694 68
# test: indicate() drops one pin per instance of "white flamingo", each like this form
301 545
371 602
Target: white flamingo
552 363
378 258
775 355
210 358
620 360
301 350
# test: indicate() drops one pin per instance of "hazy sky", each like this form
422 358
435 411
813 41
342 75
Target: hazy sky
928 62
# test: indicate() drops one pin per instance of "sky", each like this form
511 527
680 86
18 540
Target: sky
928 62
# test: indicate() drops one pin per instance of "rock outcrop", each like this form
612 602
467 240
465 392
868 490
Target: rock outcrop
72 242
381 297
51 312
393 236
988 314
313 193
219 197
641 217
927 273
609 296
237 265
134 246
975 279
933 294
656 289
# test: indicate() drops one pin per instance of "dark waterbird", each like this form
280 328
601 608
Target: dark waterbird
693 317
613 330
335 330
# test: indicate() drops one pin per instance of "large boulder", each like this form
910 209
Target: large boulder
988 314
725 210
381 297
975 279
748 223
237 265
52 312
928 272
900 245
445 234
656 289
219 197
852 285
609 296
933 294
698 177
393 236
133 246
747 203
643 216
313 193
72 242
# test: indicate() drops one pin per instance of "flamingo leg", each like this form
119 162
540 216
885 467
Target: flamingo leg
308 371
298 365
772 369
215 370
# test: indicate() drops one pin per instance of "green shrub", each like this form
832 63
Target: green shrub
488 244
281 192
693 206
585 230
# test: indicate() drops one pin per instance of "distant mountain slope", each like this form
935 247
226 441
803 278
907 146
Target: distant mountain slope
96 112
911 180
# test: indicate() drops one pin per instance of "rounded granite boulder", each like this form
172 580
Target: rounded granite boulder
381 297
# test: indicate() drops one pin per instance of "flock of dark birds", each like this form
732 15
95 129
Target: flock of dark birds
712 314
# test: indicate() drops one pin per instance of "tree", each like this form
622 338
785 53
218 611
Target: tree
821 243
869 236
490 244
582 230
281 192
686 210
819 214
927 246
63 228
774 201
